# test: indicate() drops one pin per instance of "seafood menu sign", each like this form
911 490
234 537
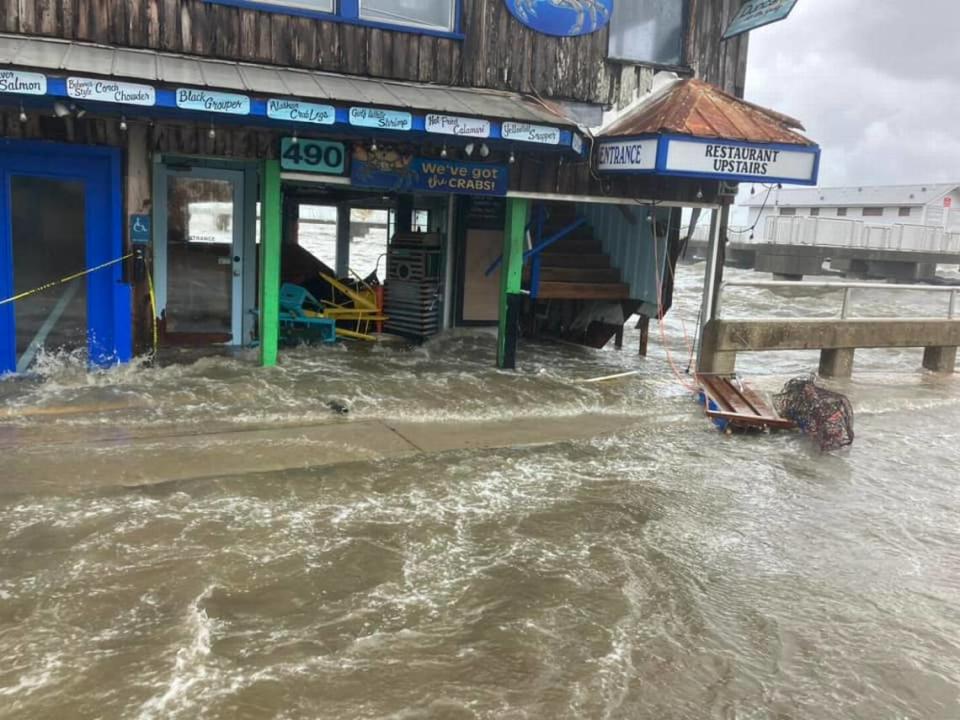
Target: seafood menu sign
563 18
525 132
111 91
209 101
23 83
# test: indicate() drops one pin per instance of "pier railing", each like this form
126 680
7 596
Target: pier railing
847 289
836 338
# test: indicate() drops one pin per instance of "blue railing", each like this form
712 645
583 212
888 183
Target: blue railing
540 217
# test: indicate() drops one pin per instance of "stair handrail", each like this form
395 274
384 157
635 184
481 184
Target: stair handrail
543 245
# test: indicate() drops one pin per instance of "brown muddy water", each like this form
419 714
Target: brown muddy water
661 570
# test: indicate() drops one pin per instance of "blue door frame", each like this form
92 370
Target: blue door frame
109 331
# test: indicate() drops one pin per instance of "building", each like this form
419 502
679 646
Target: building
933 205
189 156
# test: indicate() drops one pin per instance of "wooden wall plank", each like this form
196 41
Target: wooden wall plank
496 52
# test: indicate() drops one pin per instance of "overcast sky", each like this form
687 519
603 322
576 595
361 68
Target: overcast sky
875 82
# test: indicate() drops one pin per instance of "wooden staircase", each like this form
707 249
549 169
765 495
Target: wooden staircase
576 268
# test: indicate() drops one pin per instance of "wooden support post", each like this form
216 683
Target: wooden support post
138 199
511 274
618 338
644 327
343 240
271 211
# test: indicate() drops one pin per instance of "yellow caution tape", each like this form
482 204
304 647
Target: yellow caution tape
64 280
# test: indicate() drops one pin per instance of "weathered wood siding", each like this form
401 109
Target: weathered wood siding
497 51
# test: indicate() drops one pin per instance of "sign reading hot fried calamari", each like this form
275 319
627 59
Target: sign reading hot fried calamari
628 155
459 126
741 161
525 132
111 91
22 83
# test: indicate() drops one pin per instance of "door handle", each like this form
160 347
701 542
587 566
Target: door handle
236 258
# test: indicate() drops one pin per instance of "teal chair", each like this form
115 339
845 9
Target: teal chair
295 324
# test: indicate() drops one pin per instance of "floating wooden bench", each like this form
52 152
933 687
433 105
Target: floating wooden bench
729 400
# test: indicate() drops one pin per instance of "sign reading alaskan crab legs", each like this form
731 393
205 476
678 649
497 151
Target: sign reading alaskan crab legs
564 18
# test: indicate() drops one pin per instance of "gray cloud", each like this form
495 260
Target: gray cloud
877 84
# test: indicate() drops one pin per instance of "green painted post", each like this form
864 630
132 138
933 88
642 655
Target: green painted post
511 276
271 212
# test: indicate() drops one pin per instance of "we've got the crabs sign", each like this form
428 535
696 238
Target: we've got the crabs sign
564 18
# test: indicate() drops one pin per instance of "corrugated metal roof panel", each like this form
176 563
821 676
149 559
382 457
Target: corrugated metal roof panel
855 196
152 66
693 107
8 48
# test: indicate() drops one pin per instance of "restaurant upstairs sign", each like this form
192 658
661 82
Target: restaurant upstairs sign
757 13
733 161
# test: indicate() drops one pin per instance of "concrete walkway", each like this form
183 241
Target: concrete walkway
39 459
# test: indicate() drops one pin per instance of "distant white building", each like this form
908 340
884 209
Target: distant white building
934 205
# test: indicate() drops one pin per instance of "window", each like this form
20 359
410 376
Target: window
904 212
789 212
424 16
430 14
814 212
873 212
325 6
647 31
841 212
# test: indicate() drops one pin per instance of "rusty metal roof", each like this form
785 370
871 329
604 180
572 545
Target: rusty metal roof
696 108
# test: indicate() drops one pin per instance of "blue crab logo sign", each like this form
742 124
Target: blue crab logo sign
565 18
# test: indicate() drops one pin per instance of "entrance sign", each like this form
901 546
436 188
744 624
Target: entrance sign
628 155
314 156
564 18
23 83
408 173
460 126
740 162
757 13
380 119
525 132
111 91
296 111
209 101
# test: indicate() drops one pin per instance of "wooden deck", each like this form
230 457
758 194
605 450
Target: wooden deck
733 400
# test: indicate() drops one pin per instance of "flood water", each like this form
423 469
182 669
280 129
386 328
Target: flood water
662 571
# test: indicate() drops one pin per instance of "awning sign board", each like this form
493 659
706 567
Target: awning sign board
709 159
740 162
23 83
628 155
757 13
111 91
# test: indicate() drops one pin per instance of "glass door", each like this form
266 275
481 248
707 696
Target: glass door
199 256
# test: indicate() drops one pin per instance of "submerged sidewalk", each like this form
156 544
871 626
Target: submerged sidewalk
42 459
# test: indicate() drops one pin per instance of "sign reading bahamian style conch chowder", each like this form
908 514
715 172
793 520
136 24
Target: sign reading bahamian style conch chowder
564 18
711 159
111 91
